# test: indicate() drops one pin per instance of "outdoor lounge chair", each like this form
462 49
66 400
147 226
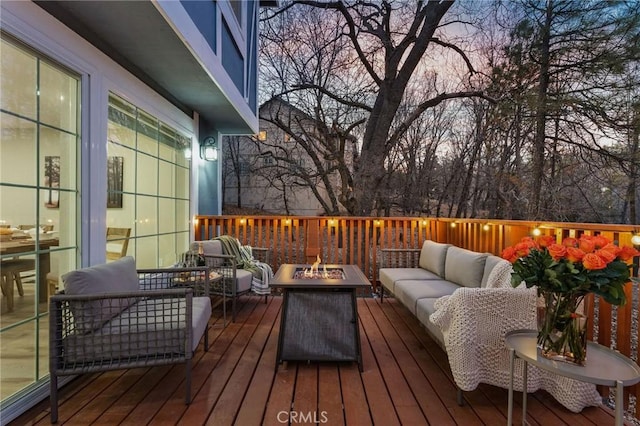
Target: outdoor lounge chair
112 317
240 271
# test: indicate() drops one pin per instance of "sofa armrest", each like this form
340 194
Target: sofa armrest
474 322
400 258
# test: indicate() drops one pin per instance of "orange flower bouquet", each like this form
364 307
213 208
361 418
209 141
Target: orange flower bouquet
564 274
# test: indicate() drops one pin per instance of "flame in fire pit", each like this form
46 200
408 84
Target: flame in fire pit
314 271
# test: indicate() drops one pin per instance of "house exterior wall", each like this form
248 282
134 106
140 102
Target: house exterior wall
101 74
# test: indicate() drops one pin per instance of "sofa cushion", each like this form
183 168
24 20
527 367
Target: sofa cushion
119 276
389 276
488 267
424 308
464 267
432 257
500 275
410 291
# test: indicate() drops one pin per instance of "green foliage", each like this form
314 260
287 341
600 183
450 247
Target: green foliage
539 269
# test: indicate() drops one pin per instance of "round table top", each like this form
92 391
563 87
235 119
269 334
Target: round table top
603 365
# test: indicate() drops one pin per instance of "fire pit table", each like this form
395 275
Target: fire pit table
319 313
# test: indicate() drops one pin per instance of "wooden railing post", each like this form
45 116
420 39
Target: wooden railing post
312 240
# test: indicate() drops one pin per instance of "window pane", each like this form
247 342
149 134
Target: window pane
147 252
166 179
182 183
128 162
18 147
146 215
147 136
18 370
58 96
58 158
18 81
167 215
167 250
183 219
147 174
18 206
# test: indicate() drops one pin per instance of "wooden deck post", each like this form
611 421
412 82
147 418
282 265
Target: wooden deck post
312 240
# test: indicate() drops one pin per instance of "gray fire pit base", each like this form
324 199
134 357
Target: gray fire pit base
319 325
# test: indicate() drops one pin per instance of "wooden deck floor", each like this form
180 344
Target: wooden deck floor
406 380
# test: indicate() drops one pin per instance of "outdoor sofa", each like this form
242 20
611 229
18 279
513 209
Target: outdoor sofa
466 302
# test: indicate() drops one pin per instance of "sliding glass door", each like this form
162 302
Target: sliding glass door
39 145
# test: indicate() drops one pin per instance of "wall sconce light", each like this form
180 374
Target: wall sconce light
635 240
453 224
486 227
209 149
536 232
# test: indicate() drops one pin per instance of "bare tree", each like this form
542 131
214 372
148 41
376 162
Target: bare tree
387 42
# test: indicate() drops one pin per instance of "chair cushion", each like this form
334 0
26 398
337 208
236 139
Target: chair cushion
209 248
464 267
149 327
432 257
410 291
389 276
119 276
243 280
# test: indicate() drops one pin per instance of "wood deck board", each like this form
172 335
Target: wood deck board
406 380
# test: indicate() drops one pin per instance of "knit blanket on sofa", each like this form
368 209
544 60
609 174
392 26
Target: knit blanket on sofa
473 323
262 272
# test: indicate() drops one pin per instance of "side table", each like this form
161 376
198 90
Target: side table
604 366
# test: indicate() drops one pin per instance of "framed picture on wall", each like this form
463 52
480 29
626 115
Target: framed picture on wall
52 181
115 174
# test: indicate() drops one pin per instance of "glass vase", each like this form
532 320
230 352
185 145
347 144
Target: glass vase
562 332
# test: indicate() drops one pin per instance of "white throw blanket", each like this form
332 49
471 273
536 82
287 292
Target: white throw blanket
474 321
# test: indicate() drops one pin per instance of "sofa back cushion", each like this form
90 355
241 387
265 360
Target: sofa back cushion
432 257
488 267
119 276
497 273
464 267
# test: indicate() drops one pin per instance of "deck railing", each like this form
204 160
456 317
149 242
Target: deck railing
358 240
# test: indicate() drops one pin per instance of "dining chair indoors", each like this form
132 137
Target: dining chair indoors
117 242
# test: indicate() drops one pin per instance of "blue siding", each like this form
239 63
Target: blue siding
231 58
252 49
208 188
203 14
